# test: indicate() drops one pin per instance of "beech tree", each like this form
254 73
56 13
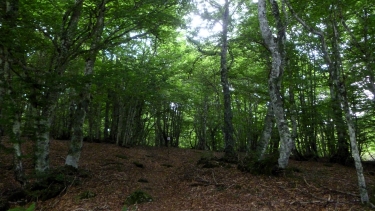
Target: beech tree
277 48
337 77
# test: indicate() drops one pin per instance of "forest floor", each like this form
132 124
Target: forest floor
175 182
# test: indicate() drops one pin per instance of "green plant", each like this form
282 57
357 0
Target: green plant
86 195
138 197
131 208
30 208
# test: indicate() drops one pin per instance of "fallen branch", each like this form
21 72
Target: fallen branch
304 179
213 176
342 192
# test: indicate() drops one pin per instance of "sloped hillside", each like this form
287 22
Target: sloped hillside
175 182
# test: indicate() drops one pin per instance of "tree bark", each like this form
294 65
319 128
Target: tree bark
11 108
274 82
267 132
230 153
76 142
343 99
17 160
42 136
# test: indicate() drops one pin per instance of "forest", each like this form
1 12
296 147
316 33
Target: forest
245 87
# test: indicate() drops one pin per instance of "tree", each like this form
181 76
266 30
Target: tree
277 48
228 115
11 100
337 77
82 105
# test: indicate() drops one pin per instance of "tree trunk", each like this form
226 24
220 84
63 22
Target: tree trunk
278 62
42 136
106 120
76 142
11 108
342 150
267 132
16 140
343 99
338 80
230 153
353 144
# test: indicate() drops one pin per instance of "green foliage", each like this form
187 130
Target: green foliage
266 166
138 197
30 208
208 161
86 195
55 182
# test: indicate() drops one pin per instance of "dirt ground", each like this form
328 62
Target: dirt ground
175 182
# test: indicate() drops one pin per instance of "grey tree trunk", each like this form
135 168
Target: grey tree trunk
266 133
12 108
42 135
338 80
131 111
230 153
343 99
201 124
106 120
17 160
353 143
342 150
276 47
76 141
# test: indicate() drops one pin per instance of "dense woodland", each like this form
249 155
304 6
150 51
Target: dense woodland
278 78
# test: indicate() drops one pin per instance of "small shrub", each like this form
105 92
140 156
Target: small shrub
266 166
138 197
86 195
208 161
30 208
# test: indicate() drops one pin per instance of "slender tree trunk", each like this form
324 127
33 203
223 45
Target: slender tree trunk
106 120
76 142
343 99
201 124
342 150
129 127
11 107
17 160
278 62
267 132
353 143
230 153
339 83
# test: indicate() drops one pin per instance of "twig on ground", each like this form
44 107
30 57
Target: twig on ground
342 192
71 184
213 175
304 179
